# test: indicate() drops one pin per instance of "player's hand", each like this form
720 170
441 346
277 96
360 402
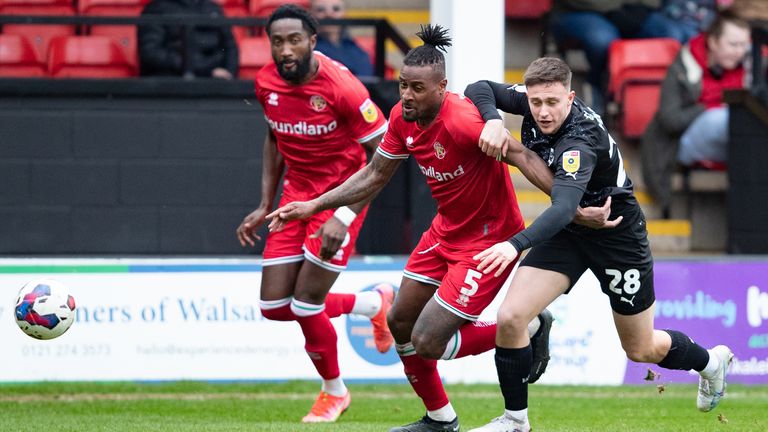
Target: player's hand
500 255
493 139
333 233
246 232
291 211
597 217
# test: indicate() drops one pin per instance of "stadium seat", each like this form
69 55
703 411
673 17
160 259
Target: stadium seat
254 54
640 102
526 9
639 59
124 35
637 67
262 8
39 35
236 9
17 58
88 57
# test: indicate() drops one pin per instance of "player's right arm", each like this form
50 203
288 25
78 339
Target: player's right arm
272 169
364 185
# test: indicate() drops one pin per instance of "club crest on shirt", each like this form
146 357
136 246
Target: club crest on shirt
439 150
571 161
369 112
317 103
272 99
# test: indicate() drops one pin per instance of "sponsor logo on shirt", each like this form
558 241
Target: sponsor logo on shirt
317 103
571 161
301 128
369 112
272 100
439 150
441 176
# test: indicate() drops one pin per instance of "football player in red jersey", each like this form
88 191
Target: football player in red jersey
321 121
442 292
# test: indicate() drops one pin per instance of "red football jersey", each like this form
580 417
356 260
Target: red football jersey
476 201
319 126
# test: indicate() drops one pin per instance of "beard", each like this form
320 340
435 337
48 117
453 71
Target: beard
298 74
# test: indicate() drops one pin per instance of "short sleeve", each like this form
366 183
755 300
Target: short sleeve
392 145
465 124
364 118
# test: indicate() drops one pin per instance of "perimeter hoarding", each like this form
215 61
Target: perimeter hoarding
199 320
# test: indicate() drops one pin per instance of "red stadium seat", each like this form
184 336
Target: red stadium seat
88 57
236 9
111 7
526 9
264 8
637 67
639 59
641 100
254 54
39 35
17 58
124 35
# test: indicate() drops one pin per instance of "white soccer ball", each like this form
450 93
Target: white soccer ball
45 309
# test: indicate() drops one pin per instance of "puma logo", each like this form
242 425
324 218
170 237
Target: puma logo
573 174
630 301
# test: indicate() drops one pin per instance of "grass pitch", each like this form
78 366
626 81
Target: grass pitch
192 406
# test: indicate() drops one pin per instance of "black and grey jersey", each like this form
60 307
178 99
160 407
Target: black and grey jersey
581 154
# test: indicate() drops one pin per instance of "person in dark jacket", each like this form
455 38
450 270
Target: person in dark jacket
335 42
691 123
213 51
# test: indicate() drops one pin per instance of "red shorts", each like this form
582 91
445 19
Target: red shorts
462 289
293 244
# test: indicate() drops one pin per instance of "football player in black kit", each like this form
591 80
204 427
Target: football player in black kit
588 170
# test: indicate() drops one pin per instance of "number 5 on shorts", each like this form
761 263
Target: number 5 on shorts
469 279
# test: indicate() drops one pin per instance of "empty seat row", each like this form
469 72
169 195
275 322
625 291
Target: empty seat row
69 56
101 57
20 58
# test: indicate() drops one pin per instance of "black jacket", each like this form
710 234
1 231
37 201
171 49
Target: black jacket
161 46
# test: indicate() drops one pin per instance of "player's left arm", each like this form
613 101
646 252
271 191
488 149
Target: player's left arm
529 163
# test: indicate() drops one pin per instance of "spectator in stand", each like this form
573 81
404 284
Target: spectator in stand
213 50
691 124
692 16
594 24
335 42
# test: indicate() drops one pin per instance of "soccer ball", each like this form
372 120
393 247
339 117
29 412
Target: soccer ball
44 309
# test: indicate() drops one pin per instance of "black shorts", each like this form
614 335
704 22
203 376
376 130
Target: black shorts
620 258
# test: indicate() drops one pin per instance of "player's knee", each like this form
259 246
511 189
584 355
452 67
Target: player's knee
639 353
399 327
426 346
512 321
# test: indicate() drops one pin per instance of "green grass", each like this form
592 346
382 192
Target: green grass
191 406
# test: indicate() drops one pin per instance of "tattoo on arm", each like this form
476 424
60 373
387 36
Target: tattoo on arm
362 187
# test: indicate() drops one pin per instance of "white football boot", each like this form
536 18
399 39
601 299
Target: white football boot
504 424
712 389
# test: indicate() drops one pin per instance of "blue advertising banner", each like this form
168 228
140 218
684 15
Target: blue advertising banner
714 303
